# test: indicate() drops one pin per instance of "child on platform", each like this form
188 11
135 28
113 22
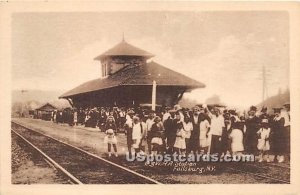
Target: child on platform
263 140
156 136
110 139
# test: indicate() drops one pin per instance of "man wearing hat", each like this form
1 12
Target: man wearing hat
128 130
229 121
278 136
102 119
194 144
287 120
252 126
170 131
217 125
263 113
94 117
149 123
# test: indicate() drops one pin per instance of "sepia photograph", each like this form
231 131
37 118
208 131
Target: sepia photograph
151 96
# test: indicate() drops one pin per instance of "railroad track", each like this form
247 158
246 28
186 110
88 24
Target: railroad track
264 172
280 165
80 166
50 161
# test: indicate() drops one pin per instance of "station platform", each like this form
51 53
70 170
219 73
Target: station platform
89 139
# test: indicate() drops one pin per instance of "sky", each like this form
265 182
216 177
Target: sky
225 50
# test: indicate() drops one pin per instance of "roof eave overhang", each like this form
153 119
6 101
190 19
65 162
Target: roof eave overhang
188 88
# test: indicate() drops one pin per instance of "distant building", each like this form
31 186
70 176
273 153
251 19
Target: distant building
44 112
127 80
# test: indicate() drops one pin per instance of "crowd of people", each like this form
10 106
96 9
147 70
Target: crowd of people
202 129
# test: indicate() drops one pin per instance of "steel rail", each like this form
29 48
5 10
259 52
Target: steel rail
50 160
261 175
93 155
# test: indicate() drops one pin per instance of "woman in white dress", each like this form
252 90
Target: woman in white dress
179 145
137 133
203 137
237 146
263 140
188 128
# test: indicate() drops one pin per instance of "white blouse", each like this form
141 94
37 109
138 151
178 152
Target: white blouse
136 131
188 127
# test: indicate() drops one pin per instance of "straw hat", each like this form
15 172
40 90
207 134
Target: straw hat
157 119
130 112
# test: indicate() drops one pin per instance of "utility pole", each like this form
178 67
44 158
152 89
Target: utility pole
264 83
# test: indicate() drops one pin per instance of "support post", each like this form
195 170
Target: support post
154 95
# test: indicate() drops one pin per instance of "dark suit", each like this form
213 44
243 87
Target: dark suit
195 140
252 126
278 141
170 132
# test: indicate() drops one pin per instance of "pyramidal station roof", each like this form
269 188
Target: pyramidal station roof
124 49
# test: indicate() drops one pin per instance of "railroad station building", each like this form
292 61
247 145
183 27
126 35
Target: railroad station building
127 79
